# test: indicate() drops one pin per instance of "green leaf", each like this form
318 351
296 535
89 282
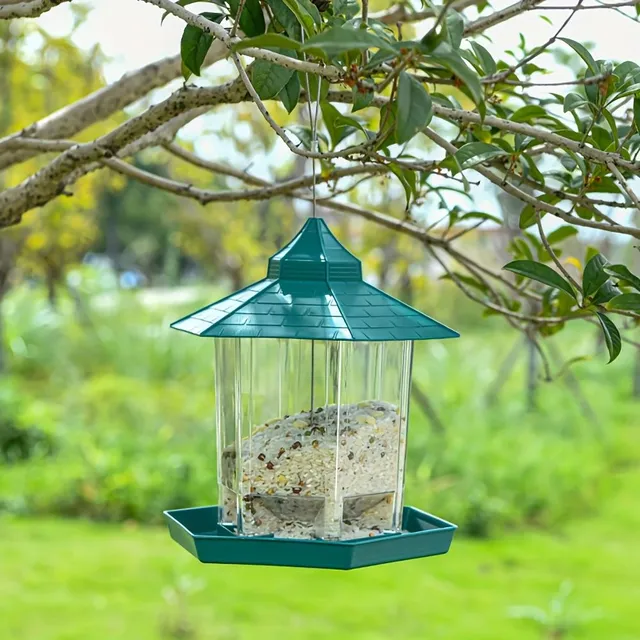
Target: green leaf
622 273
453 28
337 40
626 301
267 40
251 20
314 89
480 215
605 293
290 94
445 55
346 8
487 62
601 137
528 216
407 179
636 113
611 336
541 273
195 44
305 135
286 18
573 101
468 280
561 233
361 99
338 125
269 79
532 169
520 249
306 13
528 113
474 153
594 275
414 108
584 54
613 127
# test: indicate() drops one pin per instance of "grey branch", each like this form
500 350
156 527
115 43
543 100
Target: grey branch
204 196
10 9
402 12
99 105
50 181
482 24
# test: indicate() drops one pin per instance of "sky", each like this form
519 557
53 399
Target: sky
130 34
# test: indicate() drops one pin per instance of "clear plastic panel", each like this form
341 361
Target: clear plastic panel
226 370
372 437
371 514
320 433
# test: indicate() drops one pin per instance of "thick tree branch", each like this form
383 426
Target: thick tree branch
482 24
101 104
29 9
403 13
50 181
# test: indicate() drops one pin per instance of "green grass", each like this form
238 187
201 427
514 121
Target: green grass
75 580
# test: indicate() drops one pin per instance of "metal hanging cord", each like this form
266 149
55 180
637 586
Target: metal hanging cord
313 123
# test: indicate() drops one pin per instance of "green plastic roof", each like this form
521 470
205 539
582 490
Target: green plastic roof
313 291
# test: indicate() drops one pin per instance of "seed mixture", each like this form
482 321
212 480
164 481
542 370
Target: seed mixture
290 471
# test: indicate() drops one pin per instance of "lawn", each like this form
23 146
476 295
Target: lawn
75 580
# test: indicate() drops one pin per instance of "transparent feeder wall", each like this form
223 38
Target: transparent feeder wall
311 436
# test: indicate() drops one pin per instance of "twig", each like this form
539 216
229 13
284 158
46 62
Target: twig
553 255
27 9
443 14
278 129
482 24
525 197
498 77
234 28
625 185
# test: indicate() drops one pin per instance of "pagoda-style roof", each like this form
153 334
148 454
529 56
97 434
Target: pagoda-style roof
313 291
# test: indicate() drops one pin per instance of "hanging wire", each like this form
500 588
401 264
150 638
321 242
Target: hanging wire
313 123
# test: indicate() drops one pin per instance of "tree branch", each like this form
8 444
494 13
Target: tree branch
98 106
204 196
482 24
625 185
50 181
553 255
32 9
403 13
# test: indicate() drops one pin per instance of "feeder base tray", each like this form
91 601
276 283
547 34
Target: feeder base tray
198 531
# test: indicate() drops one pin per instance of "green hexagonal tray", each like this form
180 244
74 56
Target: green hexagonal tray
197 530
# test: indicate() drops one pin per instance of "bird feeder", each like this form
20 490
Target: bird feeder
312 382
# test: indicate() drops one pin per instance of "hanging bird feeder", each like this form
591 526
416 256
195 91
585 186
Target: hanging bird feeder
312 378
